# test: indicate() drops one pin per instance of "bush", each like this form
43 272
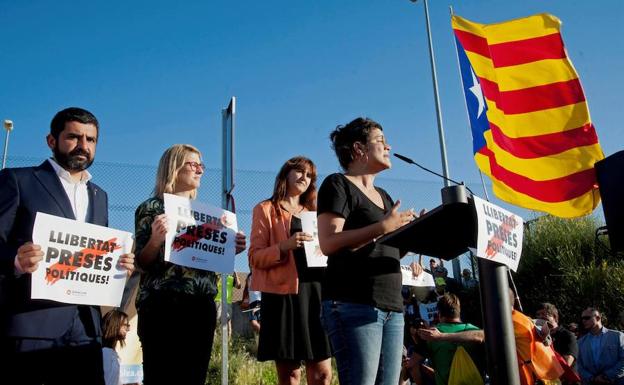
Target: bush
563 263
243 368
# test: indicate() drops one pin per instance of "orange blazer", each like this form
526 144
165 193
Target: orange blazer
272 271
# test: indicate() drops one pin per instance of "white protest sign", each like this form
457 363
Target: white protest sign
500 234
79 262
428 311
423 280
200 236
314 255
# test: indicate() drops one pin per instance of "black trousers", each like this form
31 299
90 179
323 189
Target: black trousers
68 365
176 335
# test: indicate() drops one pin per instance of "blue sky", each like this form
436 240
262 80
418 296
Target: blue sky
157 73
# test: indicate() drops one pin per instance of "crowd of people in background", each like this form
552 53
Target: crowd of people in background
355 309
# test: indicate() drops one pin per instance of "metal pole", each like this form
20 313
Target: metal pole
496 308
487 198
227 180
500 341
436 96
8 126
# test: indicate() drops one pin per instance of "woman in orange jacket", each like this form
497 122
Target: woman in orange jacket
291 329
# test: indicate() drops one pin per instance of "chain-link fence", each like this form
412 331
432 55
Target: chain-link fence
128 185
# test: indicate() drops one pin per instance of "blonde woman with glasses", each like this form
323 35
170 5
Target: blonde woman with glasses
176 308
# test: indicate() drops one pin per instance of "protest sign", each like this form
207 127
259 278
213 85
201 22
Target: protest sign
423 280
428 311
500 234
200 236
79 262
314 255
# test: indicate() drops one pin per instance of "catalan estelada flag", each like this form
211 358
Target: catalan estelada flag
532 134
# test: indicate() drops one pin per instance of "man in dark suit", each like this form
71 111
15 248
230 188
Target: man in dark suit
49 342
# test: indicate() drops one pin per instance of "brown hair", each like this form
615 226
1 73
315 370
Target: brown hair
299 163
448 306
550 310
171 161
111 324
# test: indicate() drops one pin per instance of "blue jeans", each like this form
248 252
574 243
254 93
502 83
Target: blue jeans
366 341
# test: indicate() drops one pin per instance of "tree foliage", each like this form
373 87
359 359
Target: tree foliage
563 263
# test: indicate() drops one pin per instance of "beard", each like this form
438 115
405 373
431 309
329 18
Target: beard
70 161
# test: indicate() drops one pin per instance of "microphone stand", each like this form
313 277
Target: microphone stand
410 161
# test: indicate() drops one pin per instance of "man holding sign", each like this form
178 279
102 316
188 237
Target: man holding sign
50 342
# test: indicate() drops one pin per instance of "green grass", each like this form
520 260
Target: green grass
243 368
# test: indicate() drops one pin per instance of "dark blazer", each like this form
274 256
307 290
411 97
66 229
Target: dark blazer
24 192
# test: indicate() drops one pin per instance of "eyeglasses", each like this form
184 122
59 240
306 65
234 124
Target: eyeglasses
587 317
195 166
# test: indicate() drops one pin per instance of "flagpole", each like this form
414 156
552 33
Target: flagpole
500 340
227 185
8 126
487 197
436 96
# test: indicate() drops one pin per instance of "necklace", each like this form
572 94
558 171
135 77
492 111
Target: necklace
290 209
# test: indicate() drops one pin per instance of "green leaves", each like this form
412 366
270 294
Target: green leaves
563 263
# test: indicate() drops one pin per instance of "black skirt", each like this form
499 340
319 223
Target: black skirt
291 326
291 323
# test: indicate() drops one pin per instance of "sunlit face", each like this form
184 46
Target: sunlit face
74 150
189 176
378 150
298 181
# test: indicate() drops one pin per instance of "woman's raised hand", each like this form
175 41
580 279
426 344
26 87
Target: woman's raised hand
295 241
395 218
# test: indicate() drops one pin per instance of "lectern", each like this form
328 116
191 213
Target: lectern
446 232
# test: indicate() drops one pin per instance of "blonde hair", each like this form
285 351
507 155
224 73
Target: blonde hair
171 161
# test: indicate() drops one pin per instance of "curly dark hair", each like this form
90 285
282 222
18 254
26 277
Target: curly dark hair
71 114
343 138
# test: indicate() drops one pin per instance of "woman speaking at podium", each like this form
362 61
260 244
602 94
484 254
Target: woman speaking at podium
362 309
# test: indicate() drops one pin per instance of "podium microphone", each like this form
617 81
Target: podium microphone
410 161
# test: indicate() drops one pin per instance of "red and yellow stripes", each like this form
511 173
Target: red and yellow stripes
541 145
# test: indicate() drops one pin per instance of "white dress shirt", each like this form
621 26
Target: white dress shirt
76 192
